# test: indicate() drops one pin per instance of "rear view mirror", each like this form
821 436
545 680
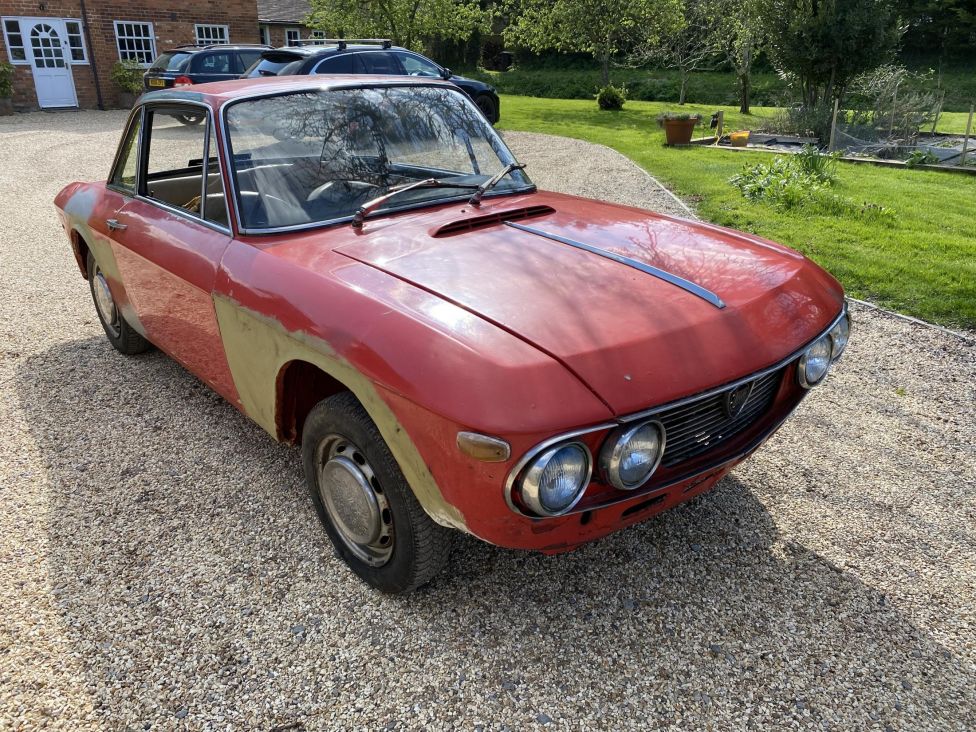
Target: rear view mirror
446 73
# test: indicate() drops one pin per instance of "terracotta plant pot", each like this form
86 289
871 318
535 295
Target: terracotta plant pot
6 106
679 131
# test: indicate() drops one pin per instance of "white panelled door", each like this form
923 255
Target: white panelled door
47 49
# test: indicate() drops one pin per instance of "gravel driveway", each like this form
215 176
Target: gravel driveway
162 568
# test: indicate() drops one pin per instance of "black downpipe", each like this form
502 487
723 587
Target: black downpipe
91 56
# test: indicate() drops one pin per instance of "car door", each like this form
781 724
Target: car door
169 238
215 66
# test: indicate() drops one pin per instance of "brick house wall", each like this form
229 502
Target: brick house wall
173 24
276 32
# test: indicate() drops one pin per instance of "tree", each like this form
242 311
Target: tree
688 49
823 44
603 28
409 23
739 37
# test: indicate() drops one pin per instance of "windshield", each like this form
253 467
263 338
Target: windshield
171 61
316 156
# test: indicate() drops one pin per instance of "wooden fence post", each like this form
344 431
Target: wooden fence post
833 127
965 142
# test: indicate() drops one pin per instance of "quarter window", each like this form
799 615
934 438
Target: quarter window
418 66
135 41
125 171
211 34
340 64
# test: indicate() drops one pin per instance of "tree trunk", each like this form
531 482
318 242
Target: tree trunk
683 75
745 91
604 67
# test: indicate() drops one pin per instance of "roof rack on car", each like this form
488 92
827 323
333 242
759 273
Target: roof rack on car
205 46
342 42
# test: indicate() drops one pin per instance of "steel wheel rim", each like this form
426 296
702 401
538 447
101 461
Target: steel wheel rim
104 302
354 500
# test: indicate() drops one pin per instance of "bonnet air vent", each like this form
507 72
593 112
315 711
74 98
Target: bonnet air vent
497 217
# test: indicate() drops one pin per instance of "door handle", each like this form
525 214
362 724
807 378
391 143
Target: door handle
115 225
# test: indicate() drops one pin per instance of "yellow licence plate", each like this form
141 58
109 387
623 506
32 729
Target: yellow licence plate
157 82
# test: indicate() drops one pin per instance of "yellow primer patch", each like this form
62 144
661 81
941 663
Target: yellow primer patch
102 251
258 347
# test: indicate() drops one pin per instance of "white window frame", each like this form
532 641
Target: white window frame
197 27
265 34
298 36
151 38
81 35
19 20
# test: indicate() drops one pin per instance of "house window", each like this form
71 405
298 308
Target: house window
318 34
208 35
15 28
14 40
135 41
76 42
292 36
265 35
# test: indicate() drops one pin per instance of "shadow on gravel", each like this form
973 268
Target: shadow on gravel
196 585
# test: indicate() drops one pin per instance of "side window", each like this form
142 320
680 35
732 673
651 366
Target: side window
339 64
214 63
418 66
215 208
174 159
379 62
124 175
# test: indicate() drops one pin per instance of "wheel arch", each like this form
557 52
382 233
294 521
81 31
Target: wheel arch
80 249
301 385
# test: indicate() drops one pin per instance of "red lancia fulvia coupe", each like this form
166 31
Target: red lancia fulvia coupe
361 267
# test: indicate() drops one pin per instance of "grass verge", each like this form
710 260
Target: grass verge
921 261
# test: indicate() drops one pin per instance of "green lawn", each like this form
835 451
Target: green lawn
922 262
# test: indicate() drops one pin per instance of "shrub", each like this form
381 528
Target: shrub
6 80
127 75
803 180
611 97
920 157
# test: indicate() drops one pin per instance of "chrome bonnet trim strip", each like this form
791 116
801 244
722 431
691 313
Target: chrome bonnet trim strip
686 285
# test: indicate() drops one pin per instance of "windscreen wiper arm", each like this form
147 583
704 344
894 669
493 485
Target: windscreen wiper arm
475 199
369 206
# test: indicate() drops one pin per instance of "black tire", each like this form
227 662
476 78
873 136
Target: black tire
190 119
488 106
120 334
420 547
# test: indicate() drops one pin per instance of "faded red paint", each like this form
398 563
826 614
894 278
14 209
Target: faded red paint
492 329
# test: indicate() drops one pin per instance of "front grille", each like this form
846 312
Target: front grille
699 425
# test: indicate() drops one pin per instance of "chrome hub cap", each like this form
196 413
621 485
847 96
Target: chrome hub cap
354 500
104 302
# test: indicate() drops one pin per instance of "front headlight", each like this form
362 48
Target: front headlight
839 335
814 362
631 455
555 480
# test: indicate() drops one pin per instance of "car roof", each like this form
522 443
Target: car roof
218 46
217 92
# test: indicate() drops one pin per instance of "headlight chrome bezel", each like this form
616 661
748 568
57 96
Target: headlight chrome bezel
612 453
528 484
801 366
844 320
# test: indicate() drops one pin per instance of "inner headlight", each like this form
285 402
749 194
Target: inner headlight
839 335
556 479
814 362
631 455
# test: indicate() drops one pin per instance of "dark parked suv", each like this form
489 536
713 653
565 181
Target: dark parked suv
185 65
337 56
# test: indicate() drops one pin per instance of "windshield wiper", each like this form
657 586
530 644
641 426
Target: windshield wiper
475 199
369 206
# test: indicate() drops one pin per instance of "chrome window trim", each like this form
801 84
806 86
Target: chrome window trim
198 219
565 436
326 86
137 112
